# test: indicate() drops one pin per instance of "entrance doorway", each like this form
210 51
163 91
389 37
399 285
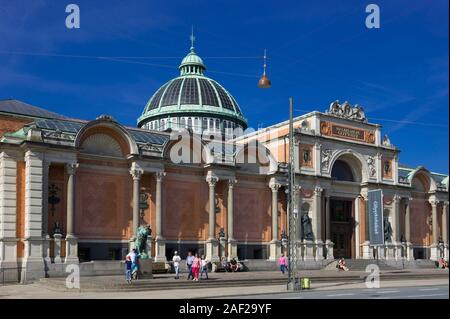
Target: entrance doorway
341 227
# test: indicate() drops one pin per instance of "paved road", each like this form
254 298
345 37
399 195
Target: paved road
420 292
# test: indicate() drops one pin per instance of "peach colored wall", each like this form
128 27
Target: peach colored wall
185 207
252 212
420 229
20 200
103 204
10 124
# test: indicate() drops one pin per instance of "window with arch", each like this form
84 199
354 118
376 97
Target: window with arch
342 171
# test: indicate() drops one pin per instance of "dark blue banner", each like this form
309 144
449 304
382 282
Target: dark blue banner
375 214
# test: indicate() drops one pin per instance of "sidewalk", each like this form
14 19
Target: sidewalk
240 279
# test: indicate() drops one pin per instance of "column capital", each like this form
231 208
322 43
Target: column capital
231 182
274 186
318 191
317 145
433 202
136 173
445 204
159 176
396 198
71 168
212 180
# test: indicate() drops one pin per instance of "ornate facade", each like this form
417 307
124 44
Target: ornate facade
74 191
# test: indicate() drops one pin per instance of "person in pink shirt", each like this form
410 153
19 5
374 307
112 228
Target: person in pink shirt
282 262
196 264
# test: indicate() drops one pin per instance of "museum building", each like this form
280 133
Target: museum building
76 191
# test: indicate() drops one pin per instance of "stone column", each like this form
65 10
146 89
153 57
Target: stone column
328 243
357 228
409 248
435 230
232 245
396 227
212 244
275 245
45 234
8 207
160 248
445 228
32 261
367 252
71 239
317 223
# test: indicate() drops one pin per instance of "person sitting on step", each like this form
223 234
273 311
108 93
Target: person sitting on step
342 265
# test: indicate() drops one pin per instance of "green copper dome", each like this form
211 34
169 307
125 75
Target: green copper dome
192 97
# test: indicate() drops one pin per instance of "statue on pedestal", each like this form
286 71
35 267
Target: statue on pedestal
143 234
387 230
306 227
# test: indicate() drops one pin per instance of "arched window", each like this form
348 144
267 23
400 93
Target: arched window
342 172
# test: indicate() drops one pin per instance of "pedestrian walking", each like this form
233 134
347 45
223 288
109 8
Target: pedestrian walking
128 269
196 264
204 267
189 261
282 262
176 264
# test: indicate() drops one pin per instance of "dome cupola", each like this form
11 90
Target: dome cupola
192 101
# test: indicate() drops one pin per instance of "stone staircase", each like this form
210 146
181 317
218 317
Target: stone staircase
361 264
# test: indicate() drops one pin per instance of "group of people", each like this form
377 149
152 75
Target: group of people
196 266
231 266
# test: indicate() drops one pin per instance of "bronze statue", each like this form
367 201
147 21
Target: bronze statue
306 227
387 230
143 234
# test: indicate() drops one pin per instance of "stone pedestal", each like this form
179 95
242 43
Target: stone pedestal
145 268
309 250
160 249
212 250
381 252
71 250
318 253
329 246
434 252
57 248
232 249
8 259
222 247
275 250
446 252
33 267
390 251
131 244
46 249
409 251
366 251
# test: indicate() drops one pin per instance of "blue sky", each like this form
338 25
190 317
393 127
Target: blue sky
319 51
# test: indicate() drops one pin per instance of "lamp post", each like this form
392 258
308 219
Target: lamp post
292 249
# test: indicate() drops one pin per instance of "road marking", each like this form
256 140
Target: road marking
337 295
428 289
420 296
387 292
